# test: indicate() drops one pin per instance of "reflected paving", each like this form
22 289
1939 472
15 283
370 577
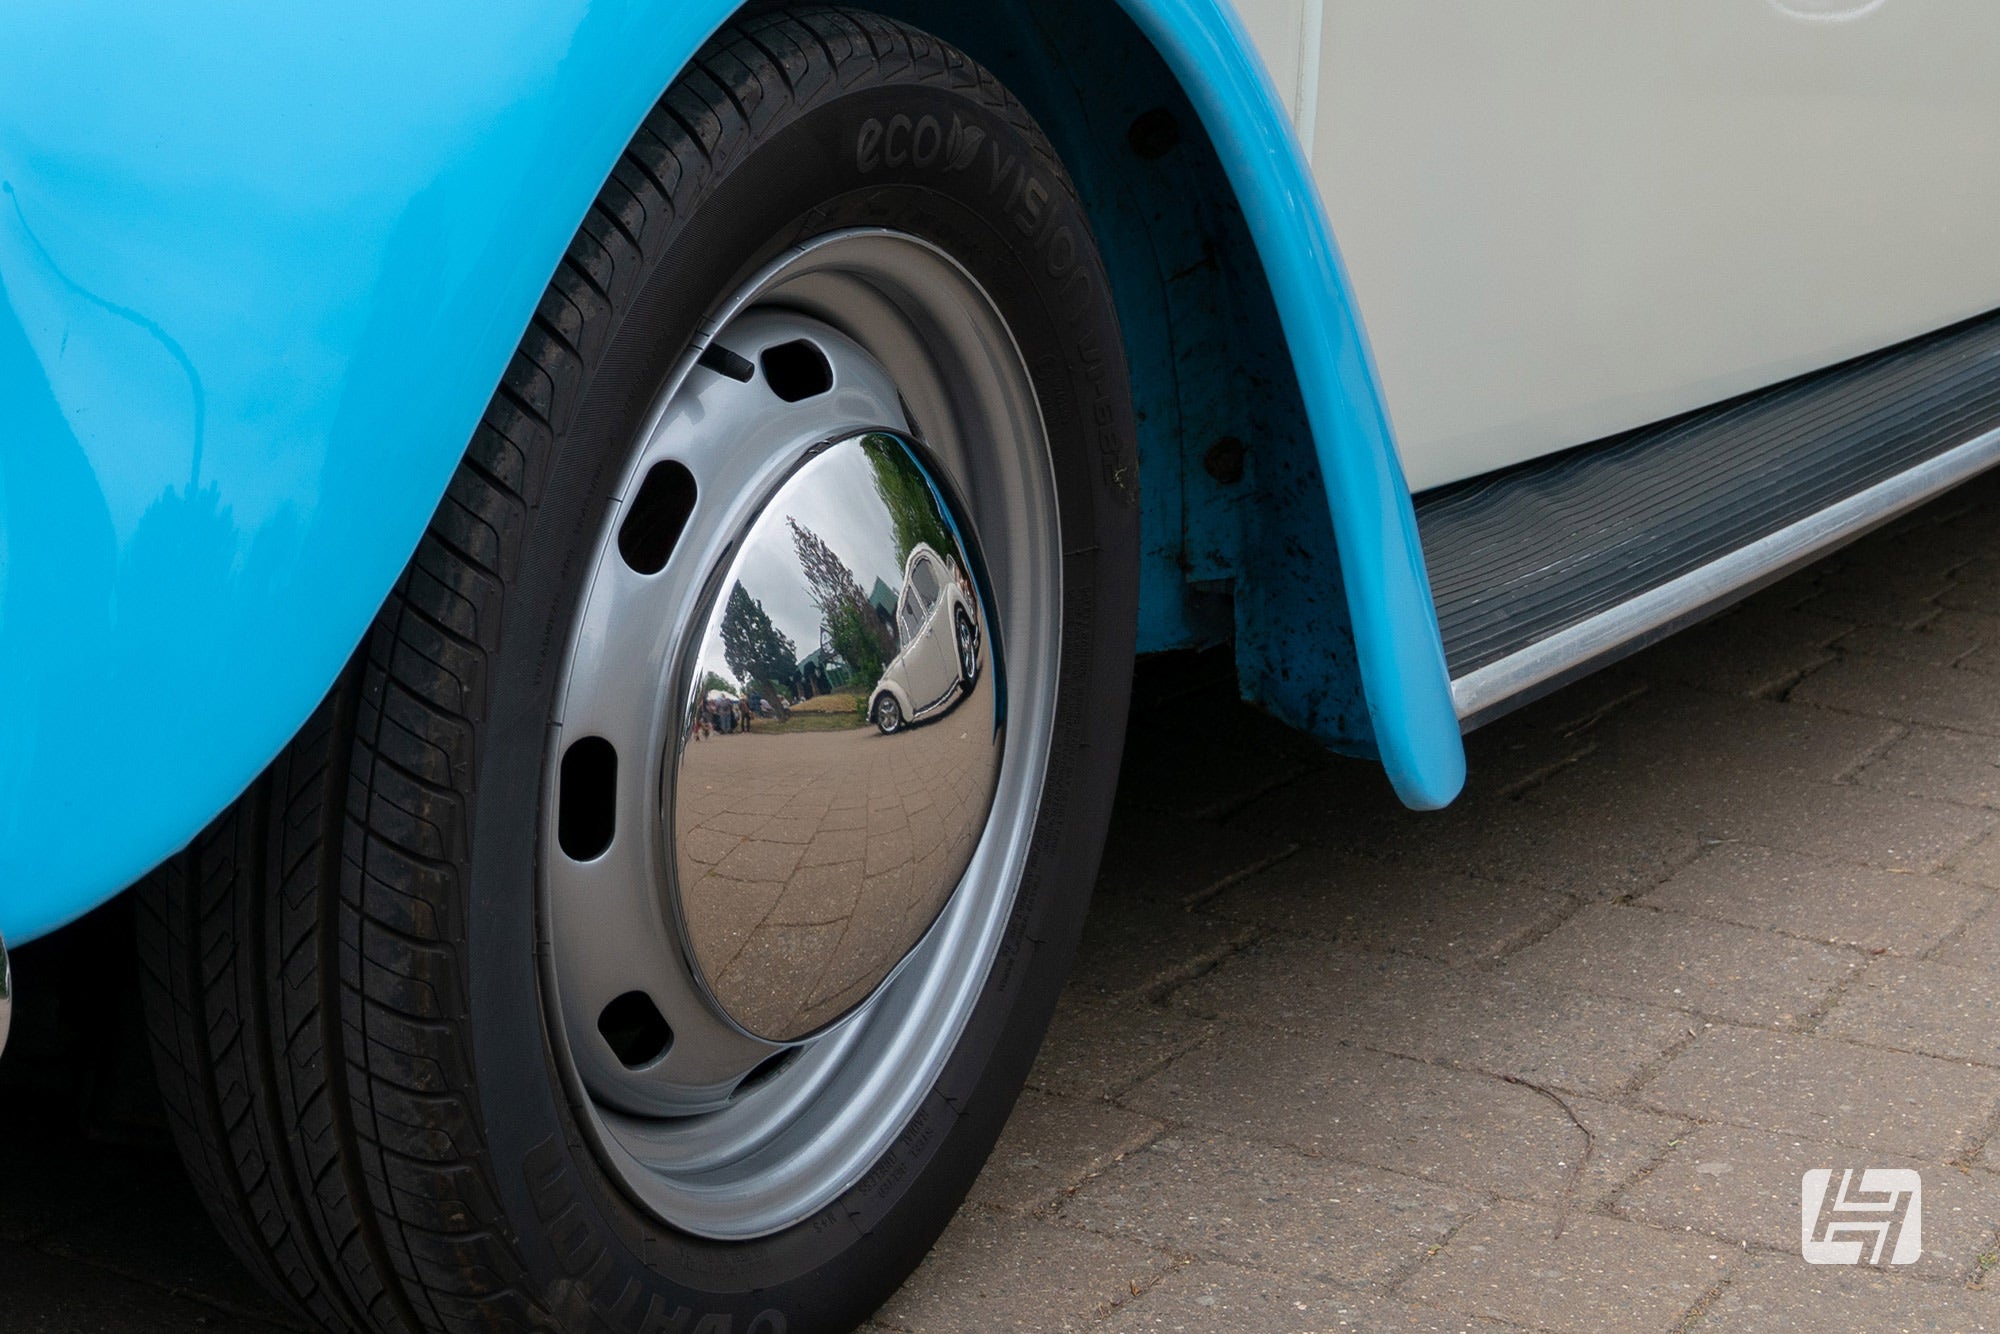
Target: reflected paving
816 856
842 741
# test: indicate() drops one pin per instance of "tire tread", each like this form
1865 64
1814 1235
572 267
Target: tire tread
304 959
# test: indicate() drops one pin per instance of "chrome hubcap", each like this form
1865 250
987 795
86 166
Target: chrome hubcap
770 911
810 858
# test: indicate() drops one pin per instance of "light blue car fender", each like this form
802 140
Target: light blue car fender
260 270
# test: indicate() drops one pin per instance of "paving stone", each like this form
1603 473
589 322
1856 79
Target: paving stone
1051 1144
1978 863
1750 651
1822 1089
1744 1185
1347 802
1910 691
1878 592
1930 542
1976 589
1571 1271
1790 592
837 845
760 861
1681 770
1452 1127
1675 960
1841 821
1132 947
1546 846
1523 748
1844 822
1273 1209
1670 769
1207 1297
1561 1037
1525 841
1985 659
991 1272
48 1294
1946 766
1819 899
1679 738
1933 1008
1951 532
1096 1048
1175 860
1209 754
1978 945
1784 1293
1944 640
1369 905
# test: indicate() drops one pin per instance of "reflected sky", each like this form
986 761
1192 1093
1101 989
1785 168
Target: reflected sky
834 495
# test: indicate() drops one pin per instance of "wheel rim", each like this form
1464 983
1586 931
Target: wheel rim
888 714
722 1132
968 649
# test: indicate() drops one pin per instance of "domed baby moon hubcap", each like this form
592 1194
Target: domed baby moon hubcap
769 917
811 851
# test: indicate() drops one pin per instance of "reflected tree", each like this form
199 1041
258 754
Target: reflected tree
855 635
913 511
755 649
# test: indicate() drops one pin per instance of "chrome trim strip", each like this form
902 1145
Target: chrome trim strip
1478 694
6 995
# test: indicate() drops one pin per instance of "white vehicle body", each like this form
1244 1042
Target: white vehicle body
927 673
1567 218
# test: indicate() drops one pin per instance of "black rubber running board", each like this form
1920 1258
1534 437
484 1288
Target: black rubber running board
1544 571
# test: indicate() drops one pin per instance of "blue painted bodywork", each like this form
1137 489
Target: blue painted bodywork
260 268
1395 631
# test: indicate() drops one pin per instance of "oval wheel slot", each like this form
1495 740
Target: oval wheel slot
657 514
588 815
797 370
635 1029
765 1071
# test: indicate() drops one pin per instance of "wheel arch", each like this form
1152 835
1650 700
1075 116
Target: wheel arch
894 690
237 387
1228 279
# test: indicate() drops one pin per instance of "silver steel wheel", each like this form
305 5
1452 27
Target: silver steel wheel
755 977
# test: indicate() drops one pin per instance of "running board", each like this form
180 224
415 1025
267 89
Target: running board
1548 570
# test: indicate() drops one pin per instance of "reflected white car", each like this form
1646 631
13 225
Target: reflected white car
937 624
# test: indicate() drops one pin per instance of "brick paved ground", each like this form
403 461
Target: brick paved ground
1553 1059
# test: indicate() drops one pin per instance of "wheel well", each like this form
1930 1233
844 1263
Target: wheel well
1222 427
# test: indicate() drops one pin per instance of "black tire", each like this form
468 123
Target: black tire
888 715
342 972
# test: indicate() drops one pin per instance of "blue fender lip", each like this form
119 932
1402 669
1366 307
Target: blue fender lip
1400 651
245 336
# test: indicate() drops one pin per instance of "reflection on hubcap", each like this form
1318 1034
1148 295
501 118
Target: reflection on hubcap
812 851
784 827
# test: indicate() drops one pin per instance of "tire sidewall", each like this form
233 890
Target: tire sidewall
863 157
